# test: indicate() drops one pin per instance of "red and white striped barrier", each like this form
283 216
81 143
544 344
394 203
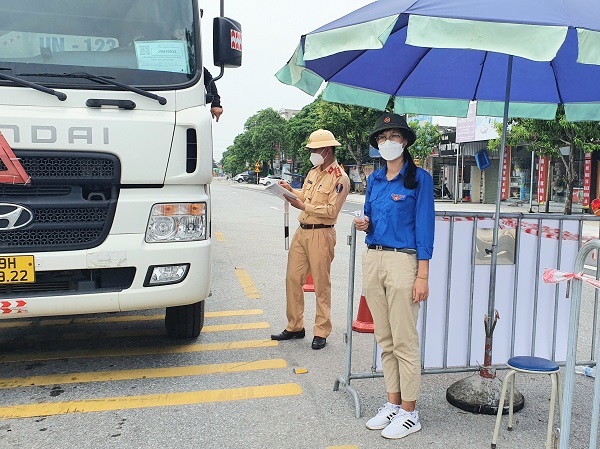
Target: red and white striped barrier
18 306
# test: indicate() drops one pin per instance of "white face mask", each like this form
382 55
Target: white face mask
390 150
316 159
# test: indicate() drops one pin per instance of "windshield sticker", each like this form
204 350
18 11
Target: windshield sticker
15 44
165 56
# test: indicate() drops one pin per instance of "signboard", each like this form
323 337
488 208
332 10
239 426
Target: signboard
541 185
448 149
474 128
587 180
422 119
506 175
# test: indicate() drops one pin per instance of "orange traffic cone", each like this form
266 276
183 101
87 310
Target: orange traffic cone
364 320
309 285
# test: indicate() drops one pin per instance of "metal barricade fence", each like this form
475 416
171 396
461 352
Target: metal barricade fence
529 325
567 399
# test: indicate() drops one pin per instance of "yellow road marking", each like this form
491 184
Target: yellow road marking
249 288
121 319
219 237
153 350
151 400
149 373
226 313
235 327
134 333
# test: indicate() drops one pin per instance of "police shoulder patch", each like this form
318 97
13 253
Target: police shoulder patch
339 188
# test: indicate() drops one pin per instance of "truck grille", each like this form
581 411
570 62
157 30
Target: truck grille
73 198
72 282
44 167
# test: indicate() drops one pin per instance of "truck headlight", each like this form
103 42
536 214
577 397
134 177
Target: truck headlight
179 222
167 274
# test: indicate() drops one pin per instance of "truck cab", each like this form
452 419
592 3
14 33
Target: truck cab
103 107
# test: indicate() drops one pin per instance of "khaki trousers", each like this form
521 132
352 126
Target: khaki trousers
388 279
311 251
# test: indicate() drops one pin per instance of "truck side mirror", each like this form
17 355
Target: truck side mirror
227 42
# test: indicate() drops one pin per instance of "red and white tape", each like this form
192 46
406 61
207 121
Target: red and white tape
528 228
554 276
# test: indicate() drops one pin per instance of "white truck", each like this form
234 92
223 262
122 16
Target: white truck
107 158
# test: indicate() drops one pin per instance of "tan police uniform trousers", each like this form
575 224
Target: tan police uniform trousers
312 250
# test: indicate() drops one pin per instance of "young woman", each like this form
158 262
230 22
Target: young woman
399 222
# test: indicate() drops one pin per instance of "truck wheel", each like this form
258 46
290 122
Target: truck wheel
185 321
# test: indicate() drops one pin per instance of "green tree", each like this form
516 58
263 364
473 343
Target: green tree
351 125
239 155
266 131
298 129
263 133
232 163
428 137
546 137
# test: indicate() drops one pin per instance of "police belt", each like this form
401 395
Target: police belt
314 226
388 248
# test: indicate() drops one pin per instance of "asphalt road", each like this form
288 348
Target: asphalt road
115 380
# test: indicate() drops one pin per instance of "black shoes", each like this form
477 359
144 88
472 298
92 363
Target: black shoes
287 335
319 343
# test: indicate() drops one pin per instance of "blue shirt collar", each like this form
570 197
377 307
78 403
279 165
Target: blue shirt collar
381 174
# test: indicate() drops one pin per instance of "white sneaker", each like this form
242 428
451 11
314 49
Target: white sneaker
403 424
383 417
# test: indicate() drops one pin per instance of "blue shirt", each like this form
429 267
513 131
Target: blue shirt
401 217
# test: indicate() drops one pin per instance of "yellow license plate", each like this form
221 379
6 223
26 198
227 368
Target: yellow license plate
16 269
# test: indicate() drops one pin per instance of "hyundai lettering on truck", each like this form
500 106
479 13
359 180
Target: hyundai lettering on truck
106 157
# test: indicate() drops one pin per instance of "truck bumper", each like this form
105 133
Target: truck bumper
117 251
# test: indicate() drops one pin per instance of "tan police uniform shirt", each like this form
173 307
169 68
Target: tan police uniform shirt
323 193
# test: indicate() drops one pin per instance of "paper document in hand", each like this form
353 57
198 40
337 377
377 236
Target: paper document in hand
279 191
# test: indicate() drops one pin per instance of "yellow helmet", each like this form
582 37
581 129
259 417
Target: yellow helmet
322 138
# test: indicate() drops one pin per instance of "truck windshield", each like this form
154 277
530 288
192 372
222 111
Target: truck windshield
142 42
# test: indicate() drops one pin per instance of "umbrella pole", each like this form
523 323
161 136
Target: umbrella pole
480 394
490 323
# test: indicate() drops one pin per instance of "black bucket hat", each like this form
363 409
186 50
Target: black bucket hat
391 121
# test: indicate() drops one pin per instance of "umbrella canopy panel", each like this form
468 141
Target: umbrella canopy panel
442 81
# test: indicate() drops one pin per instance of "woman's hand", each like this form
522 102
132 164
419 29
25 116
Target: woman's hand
361 225
420 289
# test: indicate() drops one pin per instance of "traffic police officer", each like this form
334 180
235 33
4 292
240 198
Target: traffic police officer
312 249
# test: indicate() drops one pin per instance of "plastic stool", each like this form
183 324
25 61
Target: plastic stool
530 365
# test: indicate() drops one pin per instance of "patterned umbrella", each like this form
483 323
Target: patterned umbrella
435 56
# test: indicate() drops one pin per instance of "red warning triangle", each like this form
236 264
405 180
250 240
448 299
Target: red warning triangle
14 173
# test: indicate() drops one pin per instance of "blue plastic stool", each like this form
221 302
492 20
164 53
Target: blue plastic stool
530 365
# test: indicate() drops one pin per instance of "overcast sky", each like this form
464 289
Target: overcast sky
271 30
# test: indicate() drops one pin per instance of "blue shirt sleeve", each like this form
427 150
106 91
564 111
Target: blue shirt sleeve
425 216
367 206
